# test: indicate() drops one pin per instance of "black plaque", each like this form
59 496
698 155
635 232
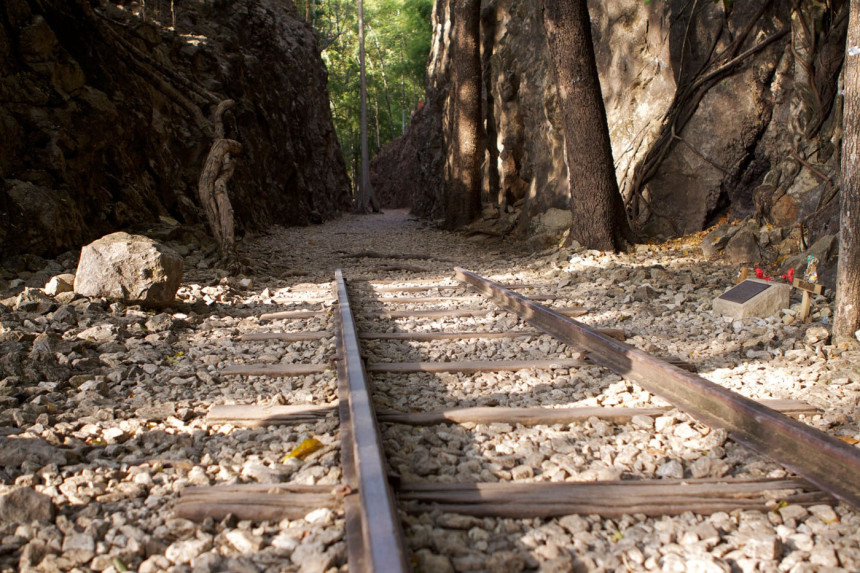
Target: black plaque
744 291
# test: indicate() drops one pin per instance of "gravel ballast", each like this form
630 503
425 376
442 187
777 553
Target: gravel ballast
103 417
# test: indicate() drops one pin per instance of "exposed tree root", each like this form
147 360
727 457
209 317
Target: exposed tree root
684 105
212 189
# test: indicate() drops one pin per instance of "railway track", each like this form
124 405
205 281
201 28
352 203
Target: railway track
398 355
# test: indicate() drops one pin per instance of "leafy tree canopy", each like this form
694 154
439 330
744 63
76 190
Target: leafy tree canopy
398 35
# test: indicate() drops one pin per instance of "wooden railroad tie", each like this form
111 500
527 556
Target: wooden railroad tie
428 313
402 367
617 333
287 336
434 299
471 366
612 499
257 415
274 369
431 286
254 502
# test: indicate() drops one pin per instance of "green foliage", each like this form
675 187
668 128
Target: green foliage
397 38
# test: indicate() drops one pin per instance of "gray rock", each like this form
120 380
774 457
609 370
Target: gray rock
716 240
99 333
243 541
644 293
457 521
158 412
32 554
15 451
553 221
428 561
23 505
44 347
65 315
154 564
184 551
60 284
742 248
311 558
79 547
129 268
671 469
825 513
66 297
762 546
816 334
34 300
160 323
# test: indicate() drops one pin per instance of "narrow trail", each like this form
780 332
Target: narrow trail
359 243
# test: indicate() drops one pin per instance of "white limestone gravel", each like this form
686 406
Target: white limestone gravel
102 410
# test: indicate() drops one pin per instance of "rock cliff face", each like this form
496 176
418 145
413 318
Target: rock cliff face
104 117
710 114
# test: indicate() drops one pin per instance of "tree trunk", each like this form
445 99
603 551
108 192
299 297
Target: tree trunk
366 196
847 318
463 178
385 89
599 220
376 118
403 104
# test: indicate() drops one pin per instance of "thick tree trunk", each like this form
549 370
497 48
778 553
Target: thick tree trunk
847 318
599 220
463 174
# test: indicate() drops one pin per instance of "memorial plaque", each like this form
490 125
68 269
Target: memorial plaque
744 291
753 297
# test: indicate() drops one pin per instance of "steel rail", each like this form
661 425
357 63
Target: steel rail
382 534
830 464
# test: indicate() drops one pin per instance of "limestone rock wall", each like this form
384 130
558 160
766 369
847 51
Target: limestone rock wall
95 139
754 132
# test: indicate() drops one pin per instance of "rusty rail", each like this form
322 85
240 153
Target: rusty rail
830 464
382 547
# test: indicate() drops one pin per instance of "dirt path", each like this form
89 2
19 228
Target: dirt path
320 249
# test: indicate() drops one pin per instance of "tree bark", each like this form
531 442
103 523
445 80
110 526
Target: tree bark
463 174
385 89
599 220
366 199
847 317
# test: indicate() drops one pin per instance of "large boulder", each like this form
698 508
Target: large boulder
130 268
